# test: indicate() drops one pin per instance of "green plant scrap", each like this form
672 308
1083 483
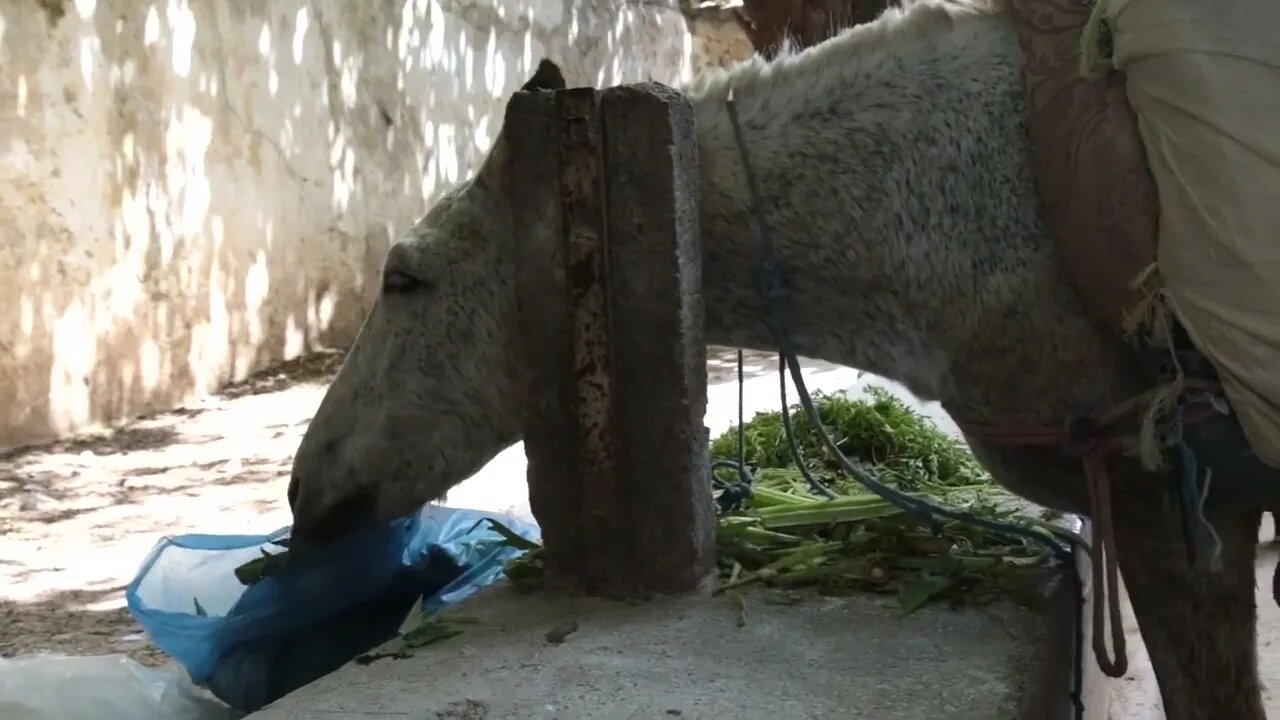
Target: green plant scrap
418 631
787 537
259 568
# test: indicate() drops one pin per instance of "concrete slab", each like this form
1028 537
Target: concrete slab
852 657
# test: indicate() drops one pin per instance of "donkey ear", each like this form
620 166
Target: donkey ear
547 77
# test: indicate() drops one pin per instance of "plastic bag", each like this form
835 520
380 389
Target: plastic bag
253 645
103 687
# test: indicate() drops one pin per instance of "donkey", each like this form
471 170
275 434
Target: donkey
895 172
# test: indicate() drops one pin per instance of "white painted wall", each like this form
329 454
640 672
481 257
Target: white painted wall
194 190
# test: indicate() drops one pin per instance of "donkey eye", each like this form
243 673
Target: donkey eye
399 282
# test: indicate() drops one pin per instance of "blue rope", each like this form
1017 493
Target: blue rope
734 496
814 485
1203 544
1191 490
774 295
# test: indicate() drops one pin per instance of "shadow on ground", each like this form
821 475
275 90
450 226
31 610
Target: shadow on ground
68 623
78 515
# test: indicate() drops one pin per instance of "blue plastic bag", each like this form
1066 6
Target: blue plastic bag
253 645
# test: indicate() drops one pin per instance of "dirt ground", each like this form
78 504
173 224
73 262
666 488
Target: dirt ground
78 516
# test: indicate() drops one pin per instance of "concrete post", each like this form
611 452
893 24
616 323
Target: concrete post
550 426
660 348
609 282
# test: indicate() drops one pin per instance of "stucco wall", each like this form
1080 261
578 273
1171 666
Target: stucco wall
193 190
718 40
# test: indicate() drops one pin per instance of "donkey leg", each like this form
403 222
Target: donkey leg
1199 627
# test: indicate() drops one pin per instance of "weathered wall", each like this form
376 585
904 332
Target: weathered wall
718 40
191 191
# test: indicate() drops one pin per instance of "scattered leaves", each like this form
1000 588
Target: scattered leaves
429 632
525 571
510 538
418 632
920 590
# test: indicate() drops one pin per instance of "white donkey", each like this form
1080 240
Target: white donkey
895 173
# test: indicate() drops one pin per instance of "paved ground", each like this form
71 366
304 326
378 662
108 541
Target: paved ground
812 657
77 517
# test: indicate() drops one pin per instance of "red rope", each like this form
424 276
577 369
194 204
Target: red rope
1104 569
1094 451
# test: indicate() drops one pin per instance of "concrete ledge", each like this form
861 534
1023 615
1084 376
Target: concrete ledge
1067 624
846 657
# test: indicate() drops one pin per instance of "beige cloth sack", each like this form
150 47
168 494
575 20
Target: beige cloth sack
1203 77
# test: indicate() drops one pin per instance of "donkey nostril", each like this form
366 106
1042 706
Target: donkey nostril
353 512
327 450
293 492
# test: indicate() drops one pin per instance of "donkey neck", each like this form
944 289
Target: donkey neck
893 167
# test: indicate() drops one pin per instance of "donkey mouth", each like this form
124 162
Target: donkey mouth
315 527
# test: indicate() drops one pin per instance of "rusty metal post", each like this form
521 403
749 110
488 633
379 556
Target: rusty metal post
609 285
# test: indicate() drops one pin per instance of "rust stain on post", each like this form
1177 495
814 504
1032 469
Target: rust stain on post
586 262
550 427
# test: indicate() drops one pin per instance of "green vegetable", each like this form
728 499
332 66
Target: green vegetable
880 430
786 536
418 631
258 568
509 536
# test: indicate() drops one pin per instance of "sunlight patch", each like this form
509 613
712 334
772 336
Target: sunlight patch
300 34
149 365
182 35
151 27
